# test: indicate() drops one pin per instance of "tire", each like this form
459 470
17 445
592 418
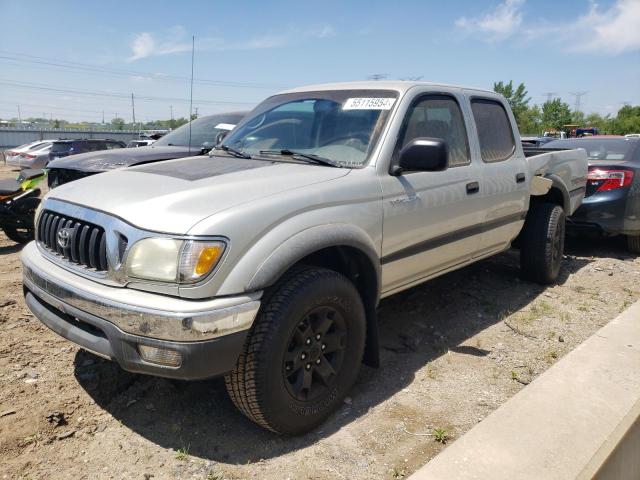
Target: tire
23 235
307 313
542 243
633 243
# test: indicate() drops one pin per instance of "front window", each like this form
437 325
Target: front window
342 126
204 131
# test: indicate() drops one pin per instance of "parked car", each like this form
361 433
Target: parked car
139 142
64 148
266 262
535 141
36 158
12 156
205 133
612 201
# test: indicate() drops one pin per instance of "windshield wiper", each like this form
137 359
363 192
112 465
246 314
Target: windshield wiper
304 156
232 151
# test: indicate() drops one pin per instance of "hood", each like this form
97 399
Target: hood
105 160
173 196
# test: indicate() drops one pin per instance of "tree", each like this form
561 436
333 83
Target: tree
530 121
517 99
118 123
555 114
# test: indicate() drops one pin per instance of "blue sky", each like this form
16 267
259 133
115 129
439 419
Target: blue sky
246 51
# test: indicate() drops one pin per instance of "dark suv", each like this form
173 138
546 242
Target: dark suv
64 148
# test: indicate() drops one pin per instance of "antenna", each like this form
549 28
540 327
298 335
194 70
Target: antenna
19 116
550 95
193 48
578 96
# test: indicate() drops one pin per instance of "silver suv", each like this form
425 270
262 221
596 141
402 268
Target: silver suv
265 260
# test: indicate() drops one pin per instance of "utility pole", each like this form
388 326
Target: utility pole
578 96
550 95
19 116
196 108
133 111
103 117
171 117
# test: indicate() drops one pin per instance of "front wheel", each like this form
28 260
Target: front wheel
542 243
303 353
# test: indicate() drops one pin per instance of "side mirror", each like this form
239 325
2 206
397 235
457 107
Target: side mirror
422 154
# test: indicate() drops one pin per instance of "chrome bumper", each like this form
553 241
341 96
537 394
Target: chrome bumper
148 314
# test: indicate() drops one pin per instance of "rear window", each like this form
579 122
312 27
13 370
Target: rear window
60 147
494 130
599 148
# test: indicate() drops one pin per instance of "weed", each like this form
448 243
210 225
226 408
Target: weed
182 453
624 306
397 473
30 439
514 375
440 435
551 356
583 308
432 373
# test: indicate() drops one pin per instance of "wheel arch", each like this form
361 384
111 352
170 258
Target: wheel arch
342 248
557 194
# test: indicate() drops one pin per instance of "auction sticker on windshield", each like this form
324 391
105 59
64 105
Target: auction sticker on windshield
225 126
368 104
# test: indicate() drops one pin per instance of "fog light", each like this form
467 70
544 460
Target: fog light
161 356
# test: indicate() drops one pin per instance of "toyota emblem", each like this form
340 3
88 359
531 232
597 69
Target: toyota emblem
64 237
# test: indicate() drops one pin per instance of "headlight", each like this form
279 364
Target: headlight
171 260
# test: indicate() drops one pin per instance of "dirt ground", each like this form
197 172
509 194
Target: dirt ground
453 350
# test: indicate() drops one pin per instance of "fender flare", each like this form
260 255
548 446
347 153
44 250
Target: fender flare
309 241
559 185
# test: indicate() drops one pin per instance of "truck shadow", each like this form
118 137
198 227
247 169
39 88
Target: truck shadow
416 326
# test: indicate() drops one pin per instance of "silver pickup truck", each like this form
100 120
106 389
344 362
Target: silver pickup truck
265 261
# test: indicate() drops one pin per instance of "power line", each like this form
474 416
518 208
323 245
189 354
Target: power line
88 68
125 96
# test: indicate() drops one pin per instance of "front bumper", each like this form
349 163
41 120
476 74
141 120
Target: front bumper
114 321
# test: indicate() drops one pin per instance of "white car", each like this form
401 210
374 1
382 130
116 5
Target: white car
632 135
142 142
36 157
13 156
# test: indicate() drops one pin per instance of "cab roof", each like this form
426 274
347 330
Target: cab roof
401 86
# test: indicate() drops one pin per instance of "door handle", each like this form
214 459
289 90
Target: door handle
520 177
473 187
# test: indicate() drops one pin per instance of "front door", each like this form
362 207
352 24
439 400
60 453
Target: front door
432 220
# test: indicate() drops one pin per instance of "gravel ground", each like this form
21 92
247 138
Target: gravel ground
453 350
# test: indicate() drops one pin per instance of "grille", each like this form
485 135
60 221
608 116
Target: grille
85 243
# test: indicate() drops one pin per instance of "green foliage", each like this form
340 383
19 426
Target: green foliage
517 98
531 121
555 114
118 123
440 435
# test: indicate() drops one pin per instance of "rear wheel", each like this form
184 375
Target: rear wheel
303 353
542 243
27 210
633 243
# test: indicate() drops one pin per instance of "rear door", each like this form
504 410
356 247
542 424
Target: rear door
504 186
431 219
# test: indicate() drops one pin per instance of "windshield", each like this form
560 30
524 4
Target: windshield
340 125
204 131
598 148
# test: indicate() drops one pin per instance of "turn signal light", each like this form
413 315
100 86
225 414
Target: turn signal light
207 259
605 179
161 356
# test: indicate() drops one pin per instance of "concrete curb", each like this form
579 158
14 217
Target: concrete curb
580 419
